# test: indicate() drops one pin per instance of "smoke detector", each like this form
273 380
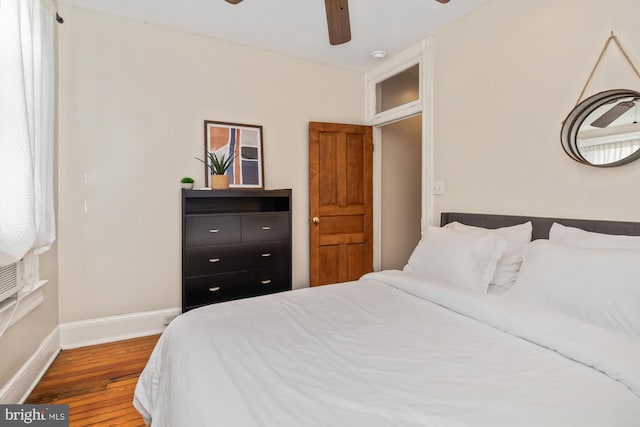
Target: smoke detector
378 54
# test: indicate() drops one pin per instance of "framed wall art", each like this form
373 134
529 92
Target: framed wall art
244 144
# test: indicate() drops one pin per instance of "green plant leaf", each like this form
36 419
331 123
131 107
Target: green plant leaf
219 165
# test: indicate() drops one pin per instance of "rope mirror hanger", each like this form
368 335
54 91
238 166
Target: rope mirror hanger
589 135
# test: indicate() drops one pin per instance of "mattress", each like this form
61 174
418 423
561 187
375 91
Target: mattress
388 350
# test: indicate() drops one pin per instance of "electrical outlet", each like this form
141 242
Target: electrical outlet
438 187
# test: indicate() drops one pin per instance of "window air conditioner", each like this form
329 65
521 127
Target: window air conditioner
11 280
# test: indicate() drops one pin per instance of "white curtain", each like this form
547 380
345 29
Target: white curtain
27 90
601 154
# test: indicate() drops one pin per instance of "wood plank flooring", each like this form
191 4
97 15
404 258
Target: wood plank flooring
97 382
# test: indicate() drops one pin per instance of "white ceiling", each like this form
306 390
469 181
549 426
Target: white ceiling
297 27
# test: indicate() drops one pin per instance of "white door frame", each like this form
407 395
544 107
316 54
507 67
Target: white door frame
422 54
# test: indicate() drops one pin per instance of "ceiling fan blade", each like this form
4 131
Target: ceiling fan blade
610 116
443 1
338 21
238 1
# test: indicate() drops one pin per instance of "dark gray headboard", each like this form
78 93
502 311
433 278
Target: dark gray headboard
541 226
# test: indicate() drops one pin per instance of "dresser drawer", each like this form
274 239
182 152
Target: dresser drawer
202 260
212 230
265 227
229 286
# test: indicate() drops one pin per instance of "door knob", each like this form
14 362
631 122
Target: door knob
316 220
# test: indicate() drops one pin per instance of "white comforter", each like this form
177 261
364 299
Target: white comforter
388 350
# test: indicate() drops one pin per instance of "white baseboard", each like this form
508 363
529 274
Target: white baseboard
80 334
18 388
114 328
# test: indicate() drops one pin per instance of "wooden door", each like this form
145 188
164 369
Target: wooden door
340 202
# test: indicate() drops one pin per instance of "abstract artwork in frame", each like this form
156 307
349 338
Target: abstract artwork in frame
246 142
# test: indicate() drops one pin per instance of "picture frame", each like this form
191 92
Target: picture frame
223 138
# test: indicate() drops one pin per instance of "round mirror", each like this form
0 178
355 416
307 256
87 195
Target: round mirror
603 130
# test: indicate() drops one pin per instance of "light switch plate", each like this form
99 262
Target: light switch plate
438 187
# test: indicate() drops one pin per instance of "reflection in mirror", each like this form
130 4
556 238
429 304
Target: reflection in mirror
603 130
610 133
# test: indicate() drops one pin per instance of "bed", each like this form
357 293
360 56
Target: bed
412 348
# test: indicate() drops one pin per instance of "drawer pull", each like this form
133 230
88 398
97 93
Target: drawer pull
266 282
266 227
212 260
265 255
213 230
216 289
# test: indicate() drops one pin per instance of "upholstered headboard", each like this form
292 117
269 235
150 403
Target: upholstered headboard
541 226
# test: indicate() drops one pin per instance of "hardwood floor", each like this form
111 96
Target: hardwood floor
97 382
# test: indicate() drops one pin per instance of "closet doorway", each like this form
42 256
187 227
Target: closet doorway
398 104
400 190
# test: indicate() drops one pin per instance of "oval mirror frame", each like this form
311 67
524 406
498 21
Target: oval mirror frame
575 119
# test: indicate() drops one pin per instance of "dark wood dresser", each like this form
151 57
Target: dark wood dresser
235 244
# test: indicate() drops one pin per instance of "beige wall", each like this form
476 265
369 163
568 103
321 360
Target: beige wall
133 98
505 78
401 191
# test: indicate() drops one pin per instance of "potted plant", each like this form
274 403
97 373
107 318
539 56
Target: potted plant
187 183
218 167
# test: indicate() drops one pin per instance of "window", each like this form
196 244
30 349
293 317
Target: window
27 86
398 89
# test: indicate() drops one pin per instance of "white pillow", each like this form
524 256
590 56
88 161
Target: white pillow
517 237
465 259
598 286
586 239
